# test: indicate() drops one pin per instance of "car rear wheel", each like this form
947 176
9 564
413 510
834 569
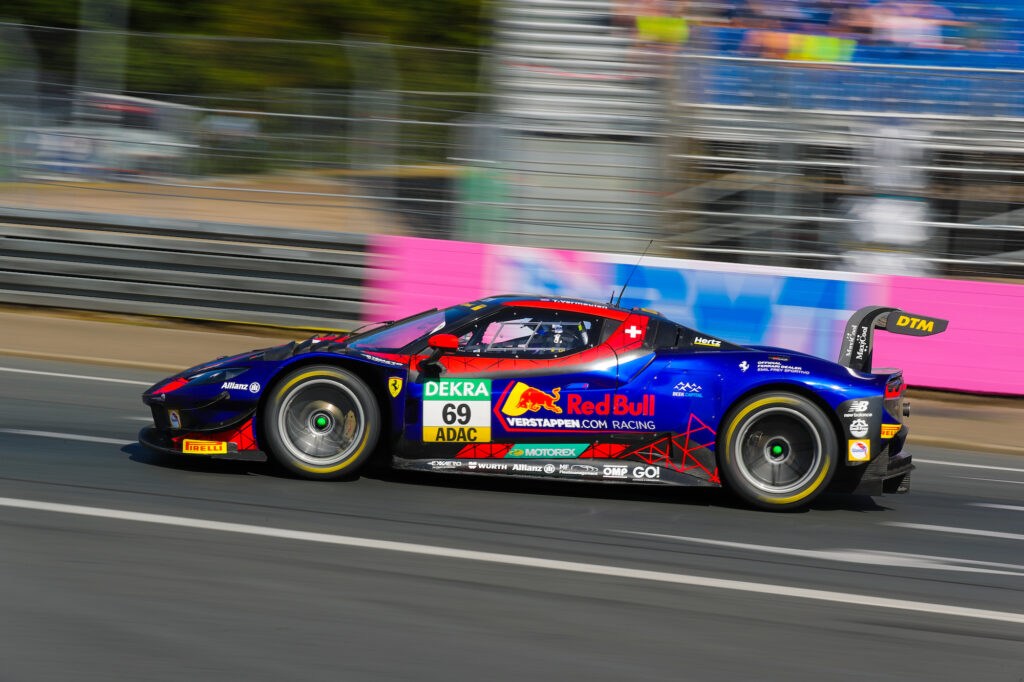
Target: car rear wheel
321 422
777 450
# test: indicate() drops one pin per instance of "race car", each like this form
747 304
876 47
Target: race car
555 388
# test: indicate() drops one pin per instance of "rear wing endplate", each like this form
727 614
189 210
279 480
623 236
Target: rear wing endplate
858 339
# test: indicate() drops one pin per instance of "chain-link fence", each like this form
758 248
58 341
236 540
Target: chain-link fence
571 132
353 135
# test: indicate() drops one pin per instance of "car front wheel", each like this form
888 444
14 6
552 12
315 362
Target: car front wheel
321 422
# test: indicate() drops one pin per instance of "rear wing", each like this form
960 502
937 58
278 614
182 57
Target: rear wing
858 339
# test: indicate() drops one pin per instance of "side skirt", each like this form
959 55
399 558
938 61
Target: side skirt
582 470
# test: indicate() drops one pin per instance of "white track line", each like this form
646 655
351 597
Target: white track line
76 376
860 556
67 436
957 531
962 464
1008 507
525 561
990 480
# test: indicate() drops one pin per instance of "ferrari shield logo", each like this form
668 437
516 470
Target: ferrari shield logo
395 386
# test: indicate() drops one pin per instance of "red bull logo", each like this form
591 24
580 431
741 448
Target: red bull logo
522 399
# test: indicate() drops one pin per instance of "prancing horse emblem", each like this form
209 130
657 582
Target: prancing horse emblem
395 386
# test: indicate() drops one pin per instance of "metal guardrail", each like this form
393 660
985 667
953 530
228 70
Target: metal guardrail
182 268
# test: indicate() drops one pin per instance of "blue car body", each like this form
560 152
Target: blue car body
637 399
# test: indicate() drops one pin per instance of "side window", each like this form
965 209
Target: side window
523 332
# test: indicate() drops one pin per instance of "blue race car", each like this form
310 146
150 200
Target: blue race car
557 388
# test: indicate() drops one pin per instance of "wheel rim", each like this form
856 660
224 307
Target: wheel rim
321 422
780 450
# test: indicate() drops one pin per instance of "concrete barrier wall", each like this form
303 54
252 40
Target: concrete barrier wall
803 310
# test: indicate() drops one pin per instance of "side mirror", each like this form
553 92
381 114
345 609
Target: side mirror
443 342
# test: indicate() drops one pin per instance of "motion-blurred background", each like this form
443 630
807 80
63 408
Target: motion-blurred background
275 162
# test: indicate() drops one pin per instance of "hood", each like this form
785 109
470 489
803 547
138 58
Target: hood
330 344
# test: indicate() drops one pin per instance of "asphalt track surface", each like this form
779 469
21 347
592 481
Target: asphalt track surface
121 564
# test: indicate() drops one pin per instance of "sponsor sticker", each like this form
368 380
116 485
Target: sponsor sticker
174 417
744 366
685 389
204 447
859 450
779 366
915 323
890 430
488 466
457 411
523 398
858 409
549 468
395 386
858 428
553 451
561 424
578 469
637 473
584 304
704 341
560 412
456 434
523 467
381 361
444 464
235 386
648 473
862 341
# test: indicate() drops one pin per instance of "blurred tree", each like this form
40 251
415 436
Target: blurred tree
192 66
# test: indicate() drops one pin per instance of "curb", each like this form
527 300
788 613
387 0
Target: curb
948 444
108 362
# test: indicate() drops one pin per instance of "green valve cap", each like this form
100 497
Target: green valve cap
321 422
776 449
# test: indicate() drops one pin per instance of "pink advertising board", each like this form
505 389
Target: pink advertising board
980 352
409 274
803 310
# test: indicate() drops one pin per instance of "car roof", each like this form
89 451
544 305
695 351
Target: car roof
608 309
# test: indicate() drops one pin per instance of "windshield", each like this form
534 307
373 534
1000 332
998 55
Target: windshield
399 335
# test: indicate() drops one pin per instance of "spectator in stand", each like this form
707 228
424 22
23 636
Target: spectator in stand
788 30
658 27
853 19
913 24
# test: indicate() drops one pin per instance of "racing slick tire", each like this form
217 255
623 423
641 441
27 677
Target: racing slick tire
777 450
321 422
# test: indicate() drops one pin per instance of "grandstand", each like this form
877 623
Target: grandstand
771 148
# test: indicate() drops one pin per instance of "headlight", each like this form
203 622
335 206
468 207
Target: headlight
216 376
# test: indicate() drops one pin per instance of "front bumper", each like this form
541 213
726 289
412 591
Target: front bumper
161 440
